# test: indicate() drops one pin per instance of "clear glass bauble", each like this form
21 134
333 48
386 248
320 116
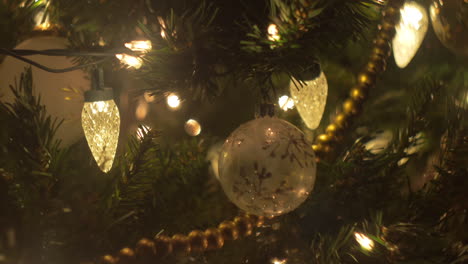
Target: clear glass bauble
266 167
450 22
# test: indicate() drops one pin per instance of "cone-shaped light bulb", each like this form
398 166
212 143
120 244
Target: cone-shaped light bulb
101 124
310 99
409 33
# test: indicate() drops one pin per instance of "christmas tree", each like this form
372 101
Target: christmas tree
214 131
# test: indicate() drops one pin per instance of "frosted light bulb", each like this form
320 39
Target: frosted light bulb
310 99
173 101
130 61
285 103
410 33
365 242
100 119
139 45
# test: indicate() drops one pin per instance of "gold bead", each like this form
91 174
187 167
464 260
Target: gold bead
332 129
387 28
145 249
228 230
198 241
180 243
350 107
244 226
366 80
252 219
357 94
391 14
384 35
317 148
376 66
383 51
341 121
214 239
108 259
260 221
163 245
323 138
126 256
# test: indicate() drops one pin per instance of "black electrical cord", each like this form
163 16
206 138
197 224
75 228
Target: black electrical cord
20 53
64 52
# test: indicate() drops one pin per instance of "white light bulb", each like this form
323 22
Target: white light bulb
101 126
273 33
139 45
365 242
410 33
173 101
130 61
286 103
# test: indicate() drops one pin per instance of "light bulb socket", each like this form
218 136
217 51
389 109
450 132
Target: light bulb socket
99 95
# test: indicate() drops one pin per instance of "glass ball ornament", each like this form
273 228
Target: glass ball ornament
450 22
266 167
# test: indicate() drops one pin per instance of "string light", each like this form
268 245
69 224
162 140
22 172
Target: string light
273 33
278 261
142 46
130 61
139 45
286 103
173 101
365 242
100 119
409 33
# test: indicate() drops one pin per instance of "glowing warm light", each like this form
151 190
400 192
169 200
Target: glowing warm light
142 110
173 101
286 103
42 21
273 33
409 33
192 127
139 45
310 99
278 261
365 242
130 61
101 126
142 131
